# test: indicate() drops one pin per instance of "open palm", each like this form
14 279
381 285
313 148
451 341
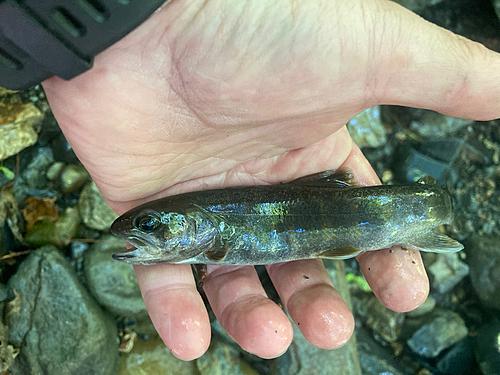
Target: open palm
208 94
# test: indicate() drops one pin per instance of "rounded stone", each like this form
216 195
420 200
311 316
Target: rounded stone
95 212
56 323
112 283
73 177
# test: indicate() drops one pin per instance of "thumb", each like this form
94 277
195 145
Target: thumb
423 65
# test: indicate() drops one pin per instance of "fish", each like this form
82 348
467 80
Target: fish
324 215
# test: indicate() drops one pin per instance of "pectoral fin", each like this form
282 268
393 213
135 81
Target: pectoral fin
340 253
339 178
436 242
217 255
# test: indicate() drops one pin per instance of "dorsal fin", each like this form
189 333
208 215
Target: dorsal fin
338 178
427 180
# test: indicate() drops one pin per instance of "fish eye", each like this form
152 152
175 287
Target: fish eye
147 223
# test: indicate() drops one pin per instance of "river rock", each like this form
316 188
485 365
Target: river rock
19 127
445 329
4 91
447 270
33 179
414 165
95 212
55 170
459 360
429 124
153 357
417 5
112 283
58 327
222 358
73 177
35 174
376 359
380 319
366 129
424 309
496 4
483 257
488 348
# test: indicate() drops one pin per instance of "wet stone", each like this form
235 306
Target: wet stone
73 177
496 5
483 257
35 173
19 126
380 319
447 270
415 165
459 360
58 326
112 283
55 170
95 212
451 150
77 249
221 359
143 326
424 309
375 359
33 181
417 5
445 329
4 91
366 129
429 124
153 357
488 348
7 352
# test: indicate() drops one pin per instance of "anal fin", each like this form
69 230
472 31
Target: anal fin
345 252
436 242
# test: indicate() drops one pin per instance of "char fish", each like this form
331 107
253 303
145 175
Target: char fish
317 216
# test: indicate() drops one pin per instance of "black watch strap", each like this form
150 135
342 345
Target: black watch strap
43 38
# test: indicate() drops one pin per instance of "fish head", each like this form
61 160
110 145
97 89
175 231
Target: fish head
160 236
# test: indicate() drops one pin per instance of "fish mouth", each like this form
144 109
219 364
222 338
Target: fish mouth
143 251
126 255
139 242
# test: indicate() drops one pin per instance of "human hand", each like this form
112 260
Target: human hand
209 94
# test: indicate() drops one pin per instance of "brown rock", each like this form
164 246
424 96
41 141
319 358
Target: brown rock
18 127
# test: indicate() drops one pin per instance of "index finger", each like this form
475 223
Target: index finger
175 308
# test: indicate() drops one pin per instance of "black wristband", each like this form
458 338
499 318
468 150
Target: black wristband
43 38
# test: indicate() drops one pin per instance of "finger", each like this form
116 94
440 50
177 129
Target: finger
317 309
423 65
240 303
357 163
396 276
176 308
